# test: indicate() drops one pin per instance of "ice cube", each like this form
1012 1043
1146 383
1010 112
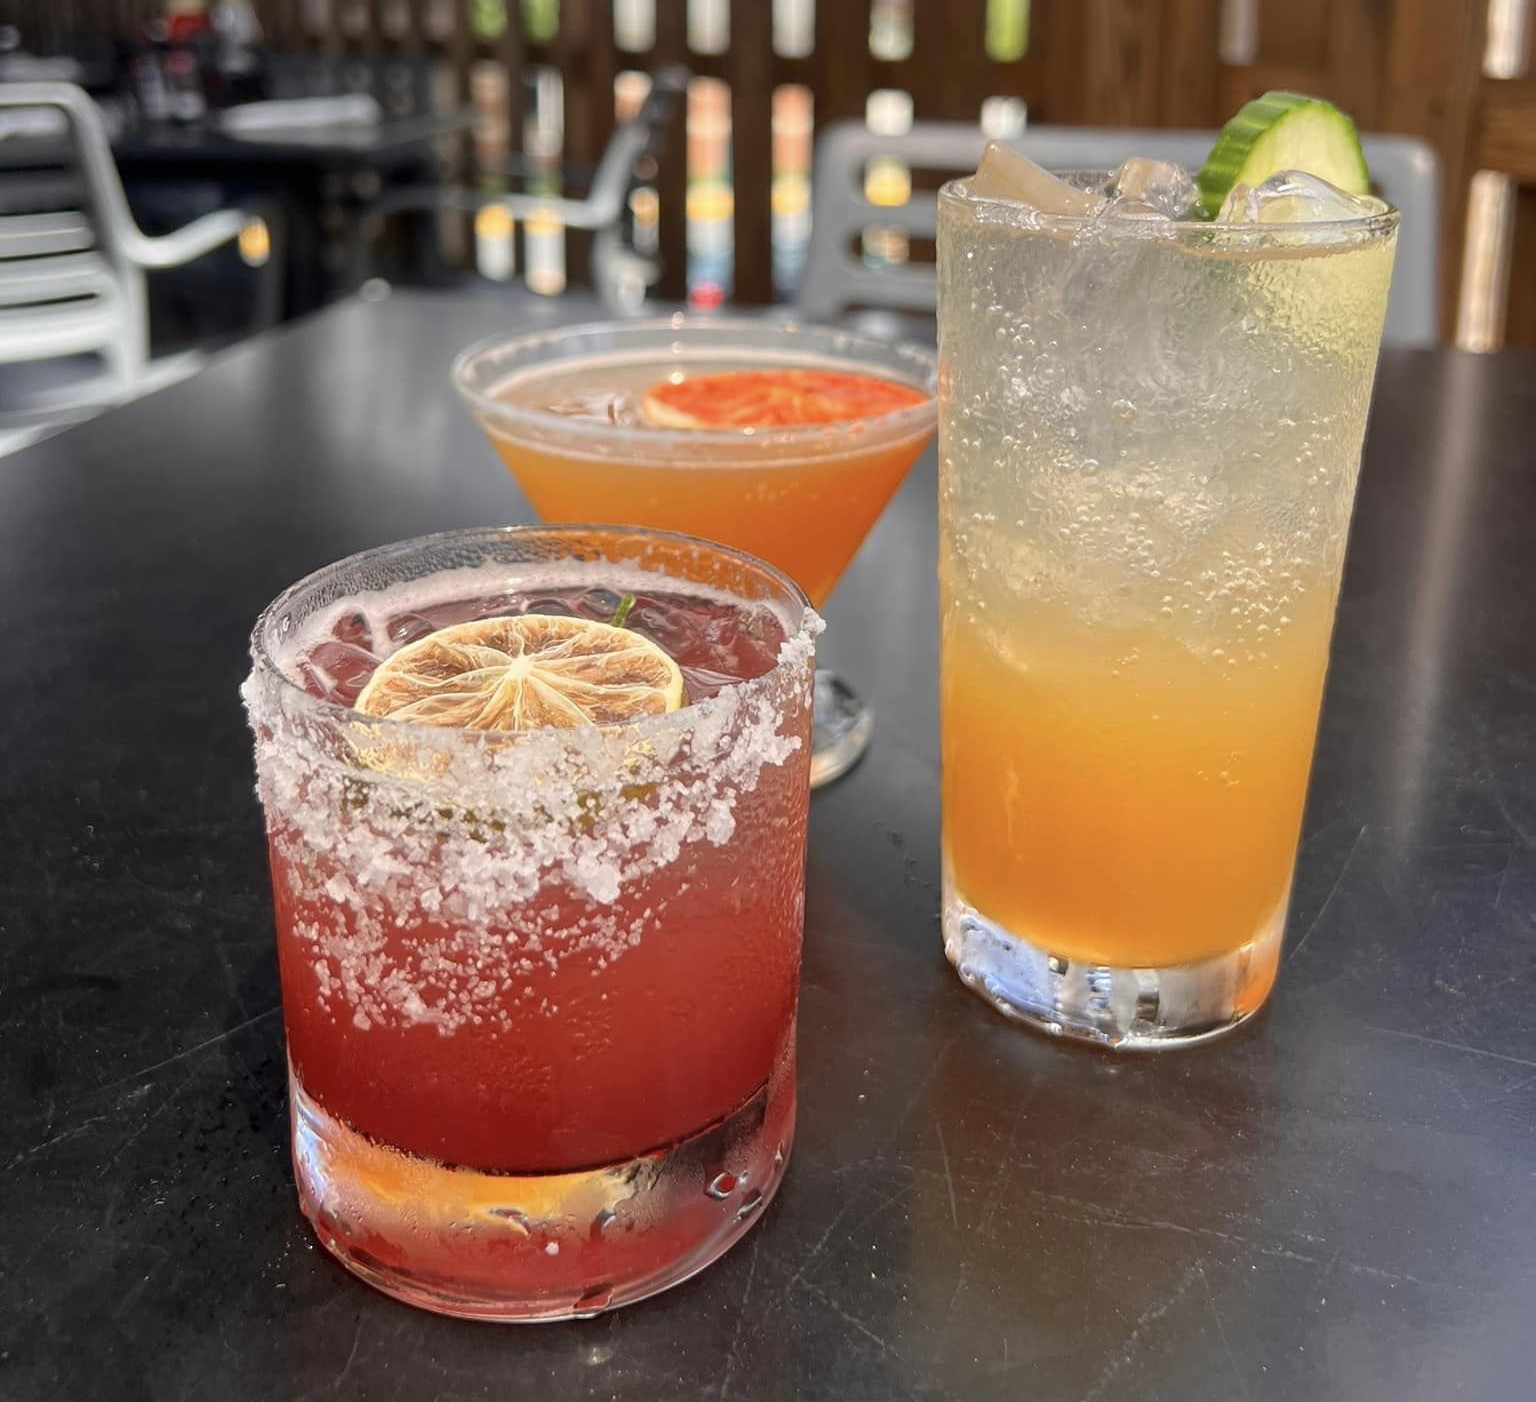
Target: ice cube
1003 174
703 682
601 604
672 629
340 669
1142 186
353 628
1293 197
409 628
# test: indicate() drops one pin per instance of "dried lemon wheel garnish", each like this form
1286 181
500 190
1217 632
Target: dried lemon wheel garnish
530 672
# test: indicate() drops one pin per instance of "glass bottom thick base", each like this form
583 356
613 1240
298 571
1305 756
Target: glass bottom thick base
1130 1009
843 727
543 1246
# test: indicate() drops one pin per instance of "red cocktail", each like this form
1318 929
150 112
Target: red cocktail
539 983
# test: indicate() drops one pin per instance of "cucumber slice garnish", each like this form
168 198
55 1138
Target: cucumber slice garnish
1283 131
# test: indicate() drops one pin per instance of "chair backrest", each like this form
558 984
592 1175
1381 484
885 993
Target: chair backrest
67 282
642 135
88 150
837 278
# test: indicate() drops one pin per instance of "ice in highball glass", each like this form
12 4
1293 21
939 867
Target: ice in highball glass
1150 432
539 985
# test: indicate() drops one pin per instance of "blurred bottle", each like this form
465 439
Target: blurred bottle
237 50
184 19
149 84
184 84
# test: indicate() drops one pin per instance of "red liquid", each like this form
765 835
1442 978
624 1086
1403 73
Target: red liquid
599 1032
599 1059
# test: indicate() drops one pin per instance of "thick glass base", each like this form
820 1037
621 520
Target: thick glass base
539 1246
842 731
1131 1009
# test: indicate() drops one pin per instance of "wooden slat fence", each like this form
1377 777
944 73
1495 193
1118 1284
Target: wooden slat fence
1412 66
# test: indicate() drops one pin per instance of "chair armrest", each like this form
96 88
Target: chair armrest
188 242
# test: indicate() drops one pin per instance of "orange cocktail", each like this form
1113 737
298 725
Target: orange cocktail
598 423
570 414
1050 765
1149 440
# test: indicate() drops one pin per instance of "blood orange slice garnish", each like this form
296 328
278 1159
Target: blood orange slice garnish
774 399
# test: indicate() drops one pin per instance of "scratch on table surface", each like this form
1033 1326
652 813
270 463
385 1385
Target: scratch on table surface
1128 1345
49 1141
1221 1329
883 1344
1498 895
1376 1273
820 1244
1451 1046
1515 827
994 1191
1333 890
1108 1217
1095 1215
20 1267
223 1036
927 1078
809 1259
346 1368
733 1355
143 1128
949 1177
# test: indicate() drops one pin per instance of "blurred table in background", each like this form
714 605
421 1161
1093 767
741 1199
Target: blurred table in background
311 183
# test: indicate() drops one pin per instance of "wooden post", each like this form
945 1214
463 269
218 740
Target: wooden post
842 62
1119 62
750 73
950 49
583 51
1433 75
1191 64
672 172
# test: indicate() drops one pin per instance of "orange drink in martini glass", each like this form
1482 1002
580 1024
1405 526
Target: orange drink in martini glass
782 440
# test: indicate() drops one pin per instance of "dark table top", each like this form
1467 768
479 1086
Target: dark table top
1336 1202
386 142
202 144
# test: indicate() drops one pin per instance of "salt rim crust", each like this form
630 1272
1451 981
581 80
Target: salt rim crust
463 836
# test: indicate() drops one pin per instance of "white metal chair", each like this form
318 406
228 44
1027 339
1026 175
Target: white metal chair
836 278
72 280
620 275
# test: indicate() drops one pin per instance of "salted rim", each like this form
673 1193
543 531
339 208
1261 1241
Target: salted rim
836 344
265 664
1382 220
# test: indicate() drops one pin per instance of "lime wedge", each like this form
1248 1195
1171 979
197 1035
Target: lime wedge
1283 131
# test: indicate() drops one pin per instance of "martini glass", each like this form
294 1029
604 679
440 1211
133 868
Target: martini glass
563 409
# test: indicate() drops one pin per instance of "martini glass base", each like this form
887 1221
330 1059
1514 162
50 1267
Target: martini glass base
844 725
